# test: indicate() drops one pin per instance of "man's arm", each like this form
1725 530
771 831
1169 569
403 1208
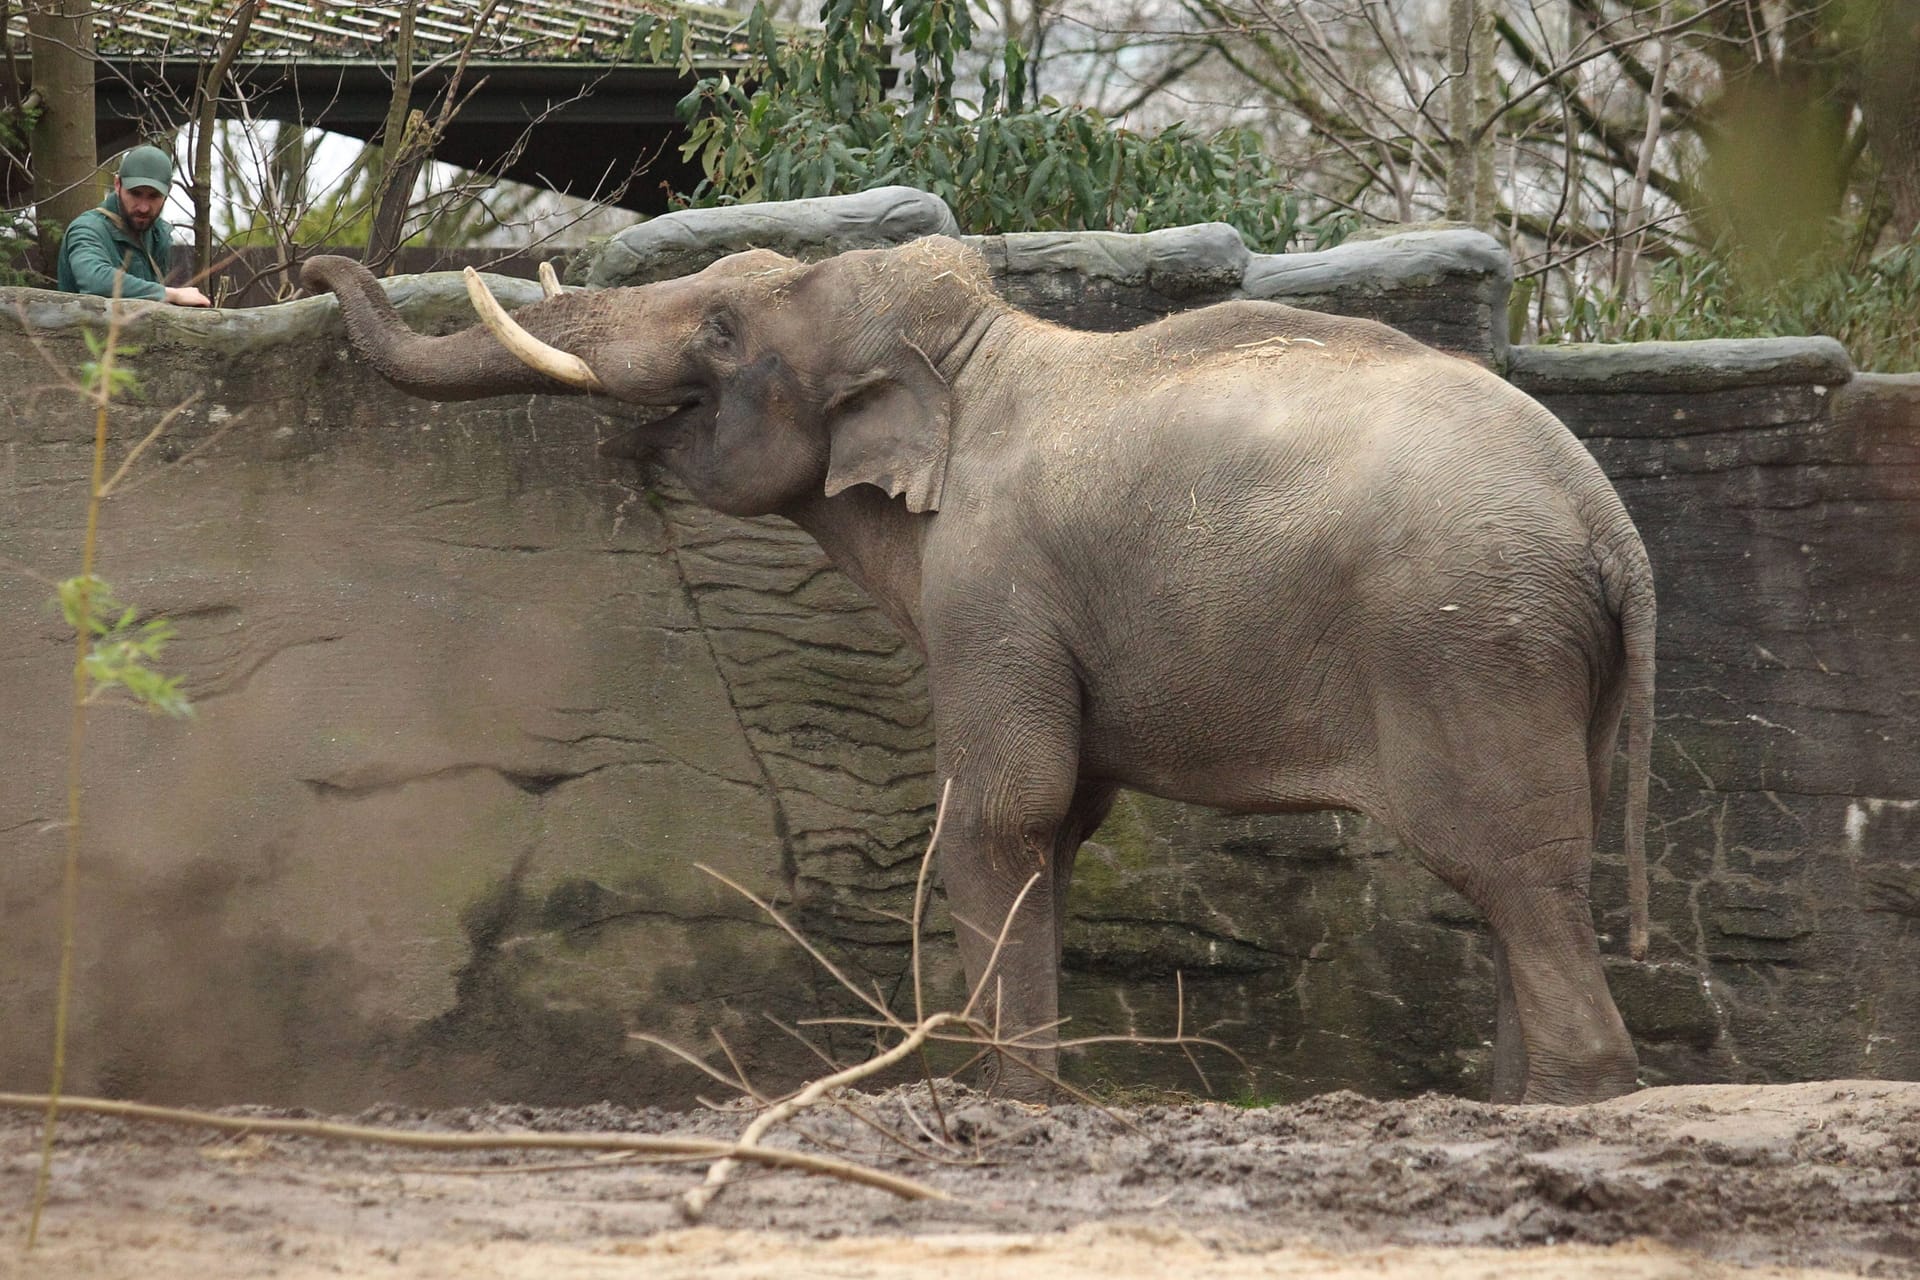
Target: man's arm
93 258
182 295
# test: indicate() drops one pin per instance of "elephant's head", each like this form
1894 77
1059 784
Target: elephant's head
785 381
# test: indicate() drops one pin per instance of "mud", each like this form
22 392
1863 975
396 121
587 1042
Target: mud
1695 1181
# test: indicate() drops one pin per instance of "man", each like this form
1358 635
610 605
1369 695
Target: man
126 240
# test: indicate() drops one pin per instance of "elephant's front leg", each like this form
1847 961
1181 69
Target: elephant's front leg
1004 861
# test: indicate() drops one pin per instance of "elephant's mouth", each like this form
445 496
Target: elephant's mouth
644 439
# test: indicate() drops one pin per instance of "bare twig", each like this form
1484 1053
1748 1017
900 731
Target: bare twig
237 420
773 914
826 1059
993 957
208 110
691 1059
745 1086
1637 204
1599 242
696 1200
133 454
970 1028
1606 49
642 1145
920 897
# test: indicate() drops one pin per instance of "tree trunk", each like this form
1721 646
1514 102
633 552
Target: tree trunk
60 40
16 180
1890 106
403 159
207 115
287 199
399 166
1486 100
1471 194
12 83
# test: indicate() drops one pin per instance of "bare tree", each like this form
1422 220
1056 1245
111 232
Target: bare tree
1470 103
207 103
1600 137
1890 106
14 101
60 41
254 183
410 136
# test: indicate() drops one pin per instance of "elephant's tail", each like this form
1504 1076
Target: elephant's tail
1637 617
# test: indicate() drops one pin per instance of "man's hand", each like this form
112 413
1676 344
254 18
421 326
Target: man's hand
188 297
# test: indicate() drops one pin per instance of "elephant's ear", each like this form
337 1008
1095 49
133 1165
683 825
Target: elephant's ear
889 427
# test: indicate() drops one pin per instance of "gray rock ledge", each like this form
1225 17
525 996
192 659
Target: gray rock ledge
1710 364
678 244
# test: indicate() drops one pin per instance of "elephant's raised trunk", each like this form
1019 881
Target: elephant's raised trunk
469 365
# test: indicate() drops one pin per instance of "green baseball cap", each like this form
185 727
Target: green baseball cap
147 167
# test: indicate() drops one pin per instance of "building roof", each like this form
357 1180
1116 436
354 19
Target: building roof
516 30
553 95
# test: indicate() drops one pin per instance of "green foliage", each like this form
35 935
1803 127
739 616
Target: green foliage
1774 174
813 115
121 645
118 645
1873 309
120 379
16 123
18 232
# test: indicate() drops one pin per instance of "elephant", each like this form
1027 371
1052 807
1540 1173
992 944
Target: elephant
1249 556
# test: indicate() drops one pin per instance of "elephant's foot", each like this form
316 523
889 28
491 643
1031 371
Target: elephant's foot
1599 1071
1557 1027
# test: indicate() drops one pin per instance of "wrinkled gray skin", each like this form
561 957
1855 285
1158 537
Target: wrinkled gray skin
1249 556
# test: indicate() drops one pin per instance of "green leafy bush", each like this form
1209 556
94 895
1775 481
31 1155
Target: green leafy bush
18 237
121 645
1873 309
18 232
814 114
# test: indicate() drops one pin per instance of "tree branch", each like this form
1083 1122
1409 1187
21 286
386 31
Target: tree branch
207 112
640 1144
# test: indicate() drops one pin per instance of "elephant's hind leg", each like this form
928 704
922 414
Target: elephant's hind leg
1576 1047
1509 1048
1514 836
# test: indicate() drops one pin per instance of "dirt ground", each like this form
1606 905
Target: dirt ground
1697 1182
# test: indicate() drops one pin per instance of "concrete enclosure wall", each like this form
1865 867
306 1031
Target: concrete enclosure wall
473 703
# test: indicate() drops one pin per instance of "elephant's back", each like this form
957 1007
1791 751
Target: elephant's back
1337 545
1250 551
1250 326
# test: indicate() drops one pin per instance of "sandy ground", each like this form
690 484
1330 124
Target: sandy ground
1696 1182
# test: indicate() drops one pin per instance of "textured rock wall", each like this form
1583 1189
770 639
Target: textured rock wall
1779 497
473 703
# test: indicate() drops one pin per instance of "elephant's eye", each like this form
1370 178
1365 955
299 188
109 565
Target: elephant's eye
721 332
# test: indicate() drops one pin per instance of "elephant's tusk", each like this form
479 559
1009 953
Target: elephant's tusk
556 364
549 281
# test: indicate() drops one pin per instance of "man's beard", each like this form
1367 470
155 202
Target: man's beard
140 222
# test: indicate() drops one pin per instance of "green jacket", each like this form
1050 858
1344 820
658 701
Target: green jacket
99 245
